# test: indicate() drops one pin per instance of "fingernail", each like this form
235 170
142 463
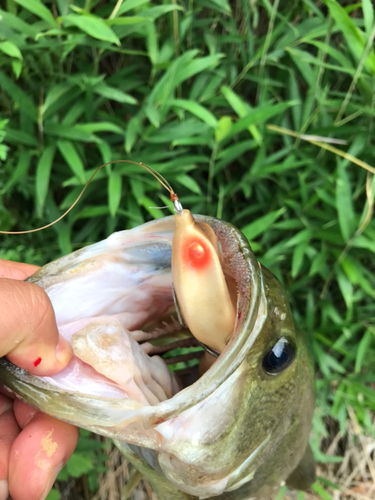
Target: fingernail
63 351
51 480
4 490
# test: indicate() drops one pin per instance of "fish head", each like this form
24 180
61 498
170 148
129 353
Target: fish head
242 424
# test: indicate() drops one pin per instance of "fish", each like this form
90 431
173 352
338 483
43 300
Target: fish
235 430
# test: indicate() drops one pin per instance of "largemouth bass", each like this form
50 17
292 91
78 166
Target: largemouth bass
237 431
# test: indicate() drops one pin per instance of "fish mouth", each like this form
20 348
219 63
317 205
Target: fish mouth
125 331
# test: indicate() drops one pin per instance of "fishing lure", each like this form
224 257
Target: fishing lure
205 300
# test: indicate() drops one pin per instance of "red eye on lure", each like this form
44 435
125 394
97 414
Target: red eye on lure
197 255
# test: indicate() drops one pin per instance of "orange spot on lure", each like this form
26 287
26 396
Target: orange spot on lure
196 254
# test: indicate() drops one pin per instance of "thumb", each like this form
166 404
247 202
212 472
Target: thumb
28 332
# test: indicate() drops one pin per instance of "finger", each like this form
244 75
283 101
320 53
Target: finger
38 453
24 413
16 270
28 332
9 430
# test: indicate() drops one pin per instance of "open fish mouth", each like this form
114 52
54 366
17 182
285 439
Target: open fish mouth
114 303
209 434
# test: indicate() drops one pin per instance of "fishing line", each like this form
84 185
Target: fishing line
173 196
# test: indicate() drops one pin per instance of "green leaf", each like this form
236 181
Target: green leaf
197 66
113 93
152 43
129 5
16 23
260 226
105 150
20 171
54 94
114 192
37 8
159 10
242 109
354 37
189 183
298 256
67 132
149 205
138 188
175 130
259 115
363 349
223 128
346 287
196 109
17 68
153 114
72 158
10 49
93 26
78 465
20 137
368 15
354 272
124 21
91 128
344 204
19 96
53 495
324 495
161 92
222 5
43 172
132 131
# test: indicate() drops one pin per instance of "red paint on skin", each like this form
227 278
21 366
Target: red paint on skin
37 361
196 253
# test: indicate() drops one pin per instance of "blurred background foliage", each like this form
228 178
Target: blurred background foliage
188 87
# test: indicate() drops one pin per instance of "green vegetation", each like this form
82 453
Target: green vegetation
188 87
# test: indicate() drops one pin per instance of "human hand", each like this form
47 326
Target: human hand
33 446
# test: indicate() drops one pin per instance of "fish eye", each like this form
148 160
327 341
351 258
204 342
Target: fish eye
279 357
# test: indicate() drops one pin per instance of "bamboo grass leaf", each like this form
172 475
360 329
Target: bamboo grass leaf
130 5
18 24
196 109
37 8
368 15
114 192
355 38
72 158
242 109
344 204
43 173
10 49
114 94
160 10
93 26
259 115
260 225
19 96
